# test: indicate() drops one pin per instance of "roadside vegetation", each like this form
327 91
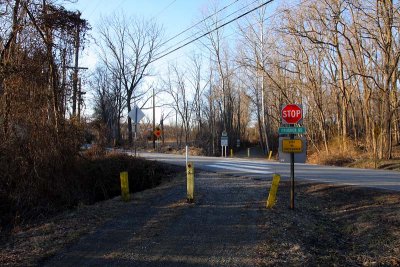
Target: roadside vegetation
355 156
89 177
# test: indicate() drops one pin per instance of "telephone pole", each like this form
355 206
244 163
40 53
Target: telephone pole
75 79
76 82
154 120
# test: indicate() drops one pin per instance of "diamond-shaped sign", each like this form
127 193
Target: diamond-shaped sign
136 114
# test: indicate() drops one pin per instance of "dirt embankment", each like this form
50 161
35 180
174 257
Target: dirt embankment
228 225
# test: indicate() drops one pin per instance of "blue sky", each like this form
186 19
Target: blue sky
174 15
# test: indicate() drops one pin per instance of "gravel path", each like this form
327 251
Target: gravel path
222 228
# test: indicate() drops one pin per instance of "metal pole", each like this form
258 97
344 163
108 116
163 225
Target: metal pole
154 120
292 177
136 123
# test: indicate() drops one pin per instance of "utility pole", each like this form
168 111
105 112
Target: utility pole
264 127
154 120
75 79
80 98
76 92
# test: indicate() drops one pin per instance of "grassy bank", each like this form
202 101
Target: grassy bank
92 177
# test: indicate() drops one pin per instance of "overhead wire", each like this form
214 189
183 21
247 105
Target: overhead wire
212 30
196 33
274 14
203 20
164 9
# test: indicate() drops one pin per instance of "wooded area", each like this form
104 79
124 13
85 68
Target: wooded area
40 103
338 58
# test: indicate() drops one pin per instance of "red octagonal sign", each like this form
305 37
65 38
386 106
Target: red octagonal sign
291 114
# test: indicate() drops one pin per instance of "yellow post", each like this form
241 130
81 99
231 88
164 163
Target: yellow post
272 192
124 186
270 155
190 182
231 153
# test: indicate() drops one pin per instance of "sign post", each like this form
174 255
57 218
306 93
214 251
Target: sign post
136 114
157 133
292 114
224 143
292 176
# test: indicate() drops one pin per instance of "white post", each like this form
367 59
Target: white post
225 151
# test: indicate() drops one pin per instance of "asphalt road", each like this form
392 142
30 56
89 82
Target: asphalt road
264 169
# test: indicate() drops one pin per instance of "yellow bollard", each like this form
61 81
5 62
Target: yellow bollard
231 153
190 182
270 155
124 186
272 192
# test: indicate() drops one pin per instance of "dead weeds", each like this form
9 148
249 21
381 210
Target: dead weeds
333 226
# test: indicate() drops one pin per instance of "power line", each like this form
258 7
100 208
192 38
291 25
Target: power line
194 34
274 14
191 27
205 34
165 8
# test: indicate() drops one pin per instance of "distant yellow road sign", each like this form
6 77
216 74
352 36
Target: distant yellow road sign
292 146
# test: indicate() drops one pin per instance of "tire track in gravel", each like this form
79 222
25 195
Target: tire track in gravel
222 228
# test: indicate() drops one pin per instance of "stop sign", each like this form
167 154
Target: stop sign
157 132
291 114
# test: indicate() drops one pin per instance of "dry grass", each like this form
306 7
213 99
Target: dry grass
93 177
333 226
354 156
336 156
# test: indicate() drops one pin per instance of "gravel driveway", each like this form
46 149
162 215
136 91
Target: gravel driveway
228 225
222 228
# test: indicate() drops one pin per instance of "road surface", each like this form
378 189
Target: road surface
263 169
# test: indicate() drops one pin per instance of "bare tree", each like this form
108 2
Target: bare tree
176 86
130 46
